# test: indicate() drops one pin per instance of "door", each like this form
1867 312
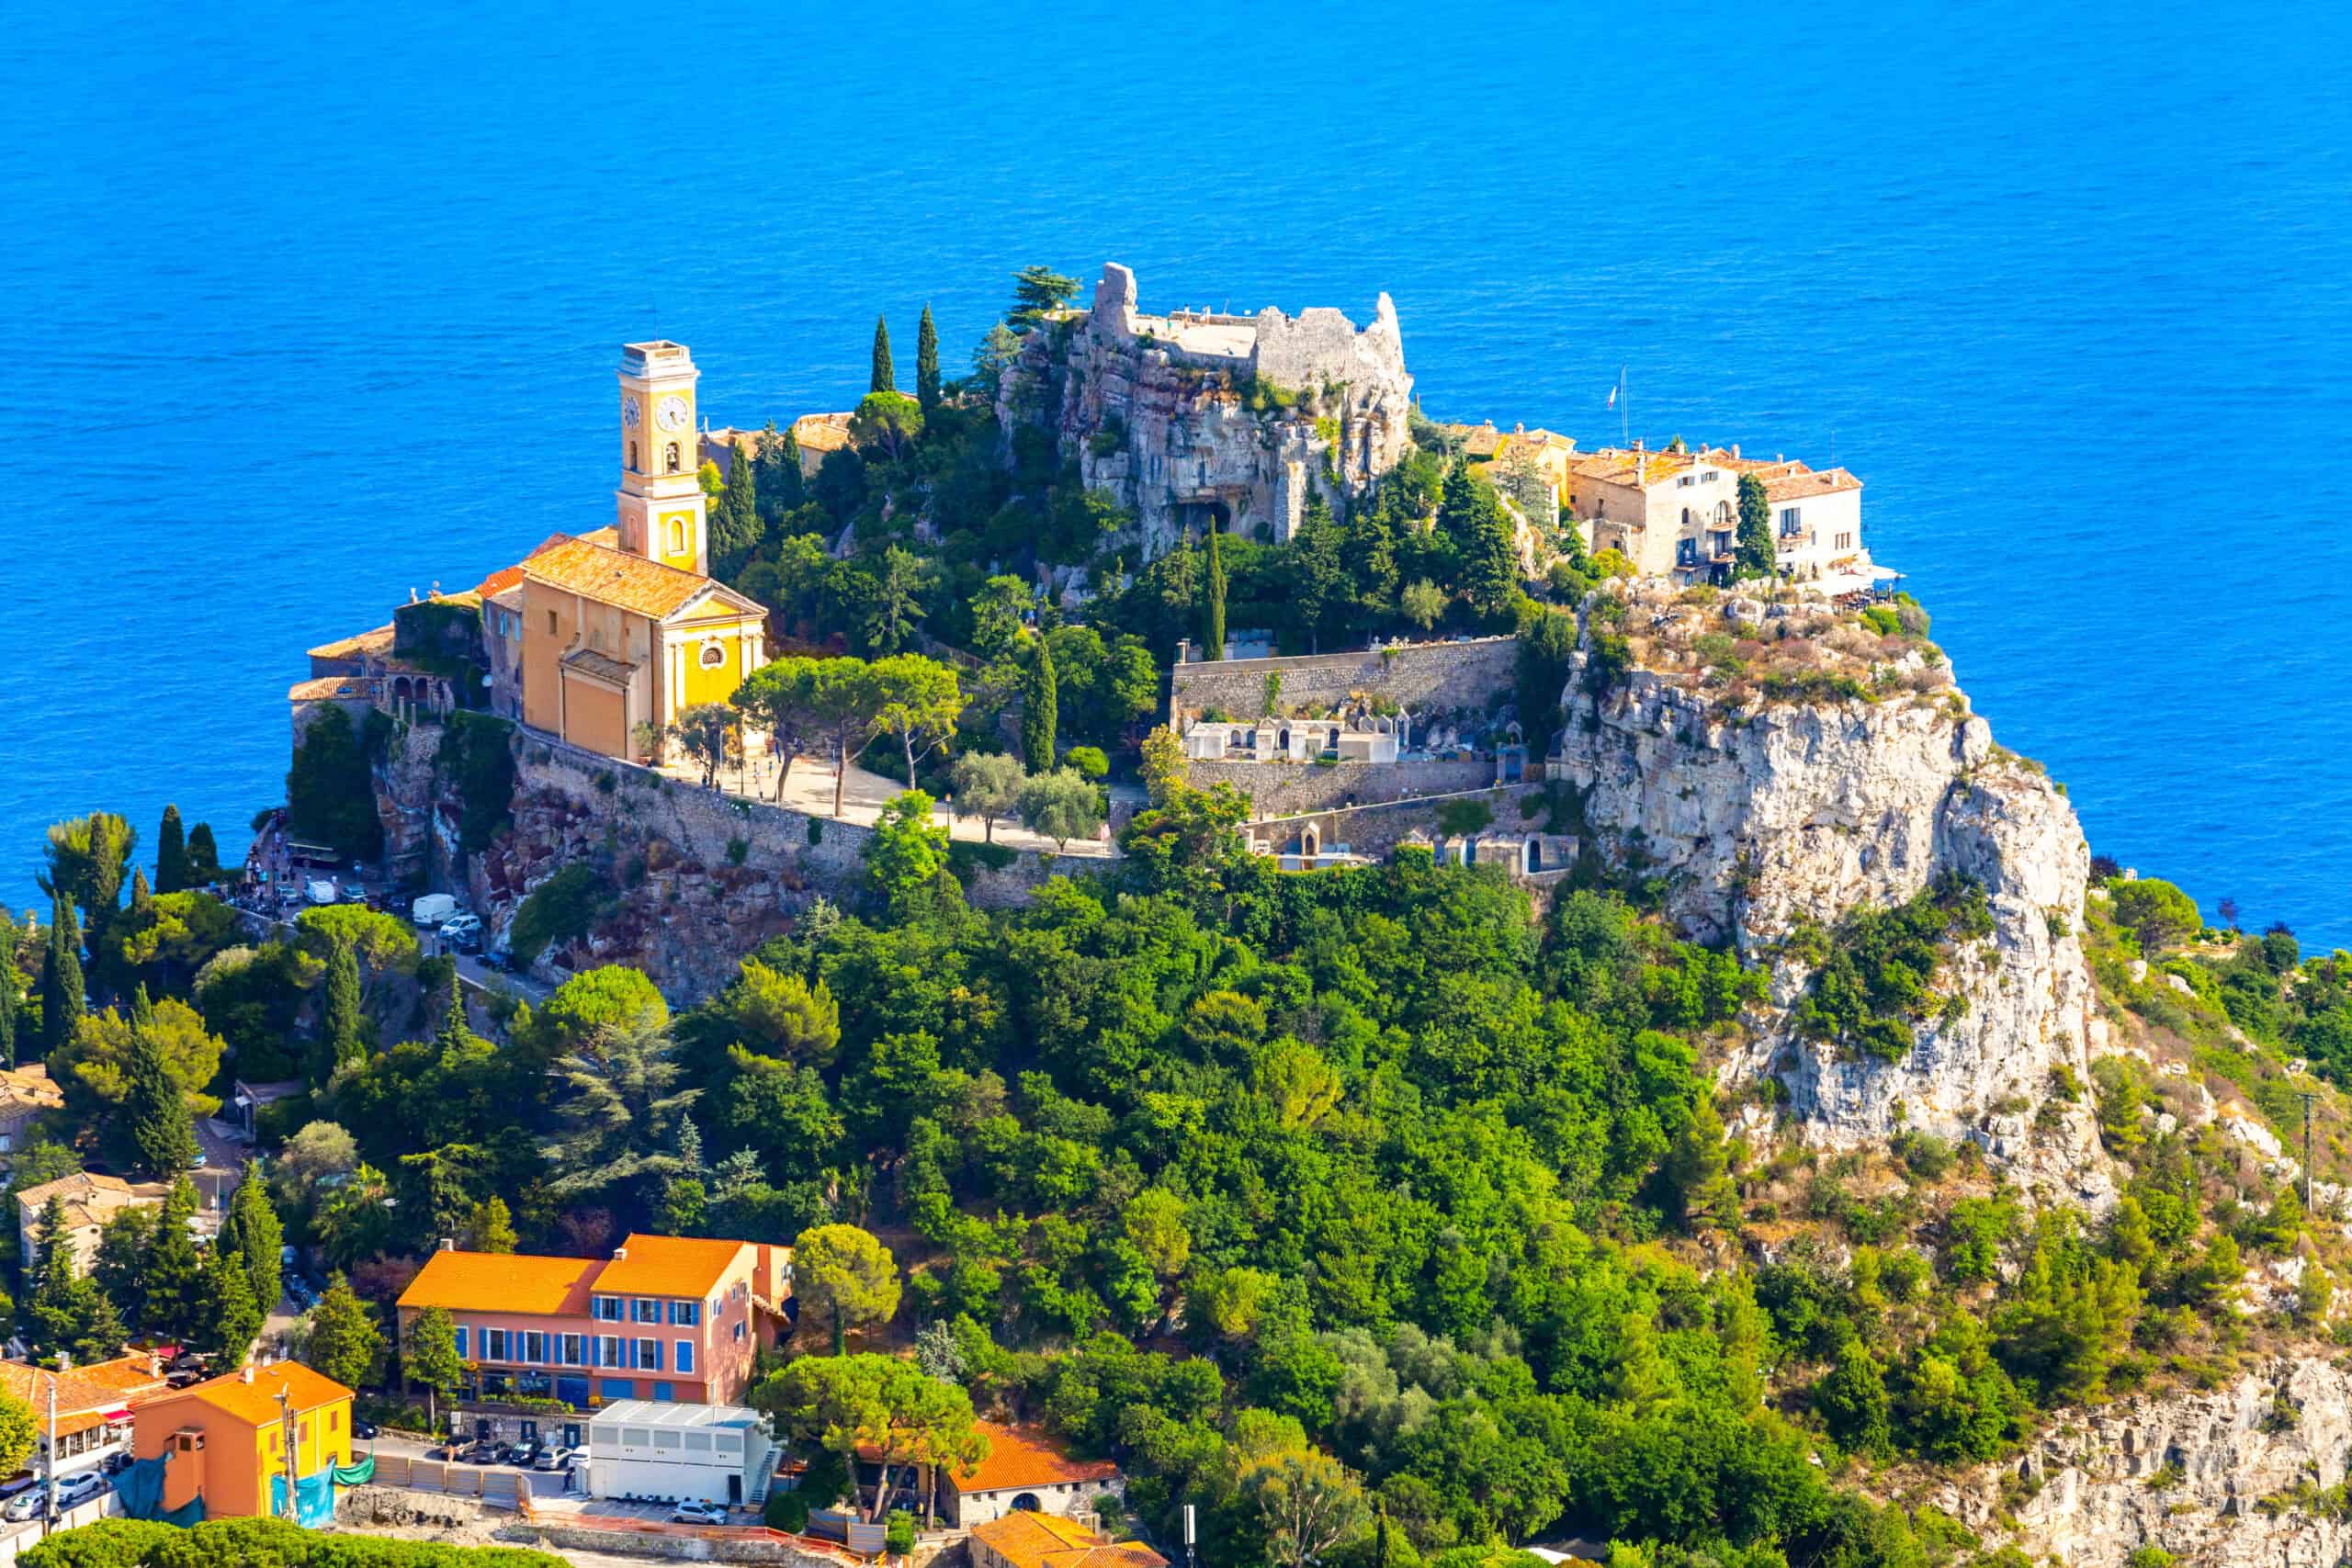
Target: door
735 1490
572 1434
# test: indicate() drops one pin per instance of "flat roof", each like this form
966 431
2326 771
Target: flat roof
657 1413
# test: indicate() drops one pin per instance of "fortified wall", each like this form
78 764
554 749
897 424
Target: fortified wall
1198 416
1419 678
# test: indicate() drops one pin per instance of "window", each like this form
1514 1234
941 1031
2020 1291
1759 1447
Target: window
1685 481
1844 542
616 1388
698 1442
494 1344
645 1309
685 1362
608 1309
632 457
1712 475
550 623
714 654
686 1314
572 1349
649 1355
677 535
301 1431
608 1352
739 1331
334 1420
463 1335
670 454
664 1437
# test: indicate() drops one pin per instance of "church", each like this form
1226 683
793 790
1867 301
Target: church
601 638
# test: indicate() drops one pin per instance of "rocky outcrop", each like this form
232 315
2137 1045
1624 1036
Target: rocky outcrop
1760 813
1199 414
2229 1478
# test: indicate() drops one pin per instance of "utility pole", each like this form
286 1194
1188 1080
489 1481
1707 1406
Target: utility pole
1188 1536
49 1459
285 1428
2307 1096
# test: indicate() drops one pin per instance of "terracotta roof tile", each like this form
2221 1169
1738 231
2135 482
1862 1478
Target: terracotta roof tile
501 1282
255 1402
97 1388
326 688
1029 1539
668 1265
1025 1457
508 576
376 641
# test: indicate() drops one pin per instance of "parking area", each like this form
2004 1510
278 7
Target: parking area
643 1512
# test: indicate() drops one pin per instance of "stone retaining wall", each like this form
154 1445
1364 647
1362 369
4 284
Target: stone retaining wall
1419 678
1377 830
1284 789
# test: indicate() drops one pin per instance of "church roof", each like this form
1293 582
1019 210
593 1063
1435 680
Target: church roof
616 577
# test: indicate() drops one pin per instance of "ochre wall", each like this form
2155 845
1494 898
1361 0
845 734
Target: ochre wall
595 718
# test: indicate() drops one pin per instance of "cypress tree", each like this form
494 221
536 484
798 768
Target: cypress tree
63 998
342 1031
107 853
883 380
170 854
927 364
174 1274
252 1230
143 1011
1040 701
735 525
1755 556
203 856
155 1116
1213 620
228 1317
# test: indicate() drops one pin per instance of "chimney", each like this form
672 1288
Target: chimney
1637 443
1779 456
620 1255
1734 451
448 1244
245 1373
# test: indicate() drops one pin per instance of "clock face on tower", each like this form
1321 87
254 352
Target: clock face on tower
630 413
670 413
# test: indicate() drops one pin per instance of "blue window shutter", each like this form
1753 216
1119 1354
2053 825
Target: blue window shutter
461 1343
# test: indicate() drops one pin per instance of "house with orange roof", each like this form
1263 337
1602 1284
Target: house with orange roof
226 1439
671 1319
1816 521
1672 513
1029 1539
1025 1472
817 435
94 1404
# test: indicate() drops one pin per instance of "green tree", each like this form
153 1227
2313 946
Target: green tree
1061 805
616 1108
890 421
170 854
19 1435
342 1027
1039 701
891 601
906 851
1320 593
252 1230
174 1278
63 1312
845 1276
1037 292
429 1356
783 1015
781 697
63 1000
1853 1402
1422 603
927 364
156 1119
735 528
1755 558
344 1343
2158 913
920 703
330 798
882 379
1163 764
126 1241
704 730
988 785
994 354
1471 516
488 1227
203 856
846 703
231 1317
1213 601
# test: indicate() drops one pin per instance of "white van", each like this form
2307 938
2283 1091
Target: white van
320 892
433 908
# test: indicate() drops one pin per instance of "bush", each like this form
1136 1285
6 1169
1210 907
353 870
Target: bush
786 1511
2158 913
898 1534
1877 984
562 908
1460 818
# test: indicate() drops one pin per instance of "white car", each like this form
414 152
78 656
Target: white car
80 1488
692 1513
461 928
320 891
22 1506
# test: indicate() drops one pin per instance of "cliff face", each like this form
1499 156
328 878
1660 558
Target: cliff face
2212 1459
1760 811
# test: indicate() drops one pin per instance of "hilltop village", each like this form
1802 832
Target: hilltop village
1144 953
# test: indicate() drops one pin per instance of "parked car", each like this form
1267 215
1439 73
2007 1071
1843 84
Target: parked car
502 958
557 1458
363 1429
692 1513
465 930
523 1453
23 1506
483 1453
432 909
81 1489
439 1452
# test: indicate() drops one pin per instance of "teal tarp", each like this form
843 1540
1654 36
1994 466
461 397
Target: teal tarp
140 1487
356 1474
313 1498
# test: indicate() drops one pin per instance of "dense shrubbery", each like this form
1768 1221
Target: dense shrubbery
1876 984
242 1543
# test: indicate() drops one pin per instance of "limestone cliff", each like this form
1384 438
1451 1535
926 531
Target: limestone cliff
2201 1475
1694 762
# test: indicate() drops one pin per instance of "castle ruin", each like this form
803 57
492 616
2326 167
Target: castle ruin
1194 416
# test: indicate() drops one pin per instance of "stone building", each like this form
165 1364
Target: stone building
1198 416
1672 513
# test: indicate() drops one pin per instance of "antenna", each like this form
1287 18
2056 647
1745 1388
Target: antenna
2307 1096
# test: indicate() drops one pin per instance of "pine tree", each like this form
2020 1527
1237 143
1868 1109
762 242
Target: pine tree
1040 718
143 1011
175 1272
927 365
120 1268
1213 617
66 1312
488 1227
170 854
203 856
883 380
342 1028
345 1341
689 1147
63 1000
155 1113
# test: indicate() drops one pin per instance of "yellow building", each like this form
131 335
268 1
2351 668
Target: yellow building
228 1439
634 631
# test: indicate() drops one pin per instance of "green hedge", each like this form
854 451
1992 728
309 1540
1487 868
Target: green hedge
263 1543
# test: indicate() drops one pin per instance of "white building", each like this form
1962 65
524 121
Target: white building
718 1453
1816 523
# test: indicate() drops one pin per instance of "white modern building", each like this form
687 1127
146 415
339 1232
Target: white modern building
717 1453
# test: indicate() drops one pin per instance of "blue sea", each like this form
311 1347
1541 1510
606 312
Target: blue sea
316 304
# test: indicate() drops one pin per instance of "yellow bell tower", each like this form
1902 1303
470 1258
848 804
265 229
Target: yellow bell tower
661 494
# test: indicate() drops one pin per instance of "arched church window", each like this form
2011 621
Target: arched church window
713 655
632 457
677 535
